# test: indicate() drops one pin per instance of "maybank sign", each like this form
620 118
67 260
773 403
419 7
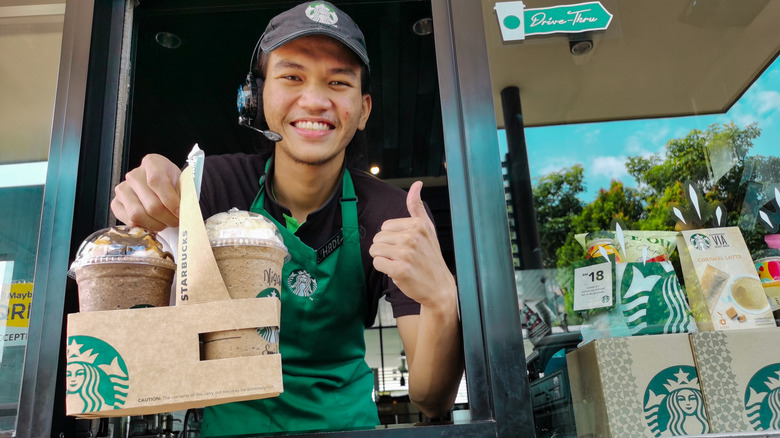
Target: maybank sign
516 22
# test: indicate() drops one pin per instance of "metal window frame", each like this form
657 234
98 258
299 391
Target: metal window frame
36 401
499 398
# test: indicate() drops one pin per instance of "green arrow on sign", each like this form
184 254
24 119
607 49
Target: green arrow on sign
581 17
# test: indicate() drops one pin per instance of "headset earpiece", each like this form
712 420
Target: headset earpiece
247 102
250 102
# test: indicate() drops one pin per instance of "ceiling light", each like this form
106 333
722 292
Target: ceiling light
168 40
423 26
374 170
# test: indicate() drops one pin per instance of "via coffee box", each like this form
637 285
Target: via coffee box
740 378
721 282
148 360
639 386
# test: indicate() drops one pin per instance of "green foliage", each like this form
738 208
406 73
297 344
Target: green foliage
555 198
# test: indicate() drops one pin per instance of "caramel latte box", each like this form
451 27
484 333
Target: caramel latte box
721 282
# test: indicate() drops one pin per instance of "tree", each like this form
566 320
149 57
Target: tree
556 201
713 159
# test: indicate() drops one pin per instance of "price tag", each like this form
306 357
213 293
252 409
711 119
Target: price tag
593 287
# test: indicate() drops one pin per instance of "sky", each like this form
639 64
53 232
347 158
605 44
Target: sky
603 148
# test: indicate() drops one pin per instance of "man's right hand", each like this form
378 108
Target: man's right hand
148 196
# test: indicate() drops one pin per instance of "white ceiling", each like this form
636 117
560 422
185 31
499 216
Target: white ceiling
30 40
657 58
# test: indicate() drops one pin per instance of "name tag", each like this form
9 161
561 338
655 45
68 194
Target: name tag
327 249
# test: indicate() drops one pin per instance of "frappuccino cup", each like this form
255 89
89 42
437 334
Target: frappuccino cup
122 268
250 255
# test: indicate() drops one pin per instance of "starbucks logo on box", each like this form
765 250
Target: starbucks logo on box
96 376
673 404
762 398
700 242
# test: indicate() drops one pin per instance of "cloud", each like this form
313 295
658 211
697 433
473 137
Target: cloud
648 141
609 166
555 167
767 101
588 134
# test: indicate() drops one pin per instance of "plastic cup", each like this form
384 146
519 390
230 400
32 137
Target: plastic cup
250 254
122 268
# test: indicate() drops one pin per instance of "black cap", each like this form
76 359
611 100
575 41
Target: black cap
314 18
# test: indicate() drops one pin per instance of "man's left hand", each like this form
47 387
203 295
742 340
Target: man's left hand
407 250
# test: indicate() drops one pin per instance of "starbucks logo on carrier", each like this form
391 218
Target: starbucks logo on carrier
301 283
96 376
673 404
321 13
762 398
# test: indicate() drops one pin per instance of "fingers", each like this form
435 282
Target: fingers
414 202
162 176
128 209
148 196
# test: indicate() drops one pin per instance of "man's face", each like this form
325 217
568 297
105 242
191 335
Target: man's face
312 97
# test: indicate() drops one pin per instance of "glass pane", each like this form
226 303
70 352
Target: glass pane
30 39
614 134
385 355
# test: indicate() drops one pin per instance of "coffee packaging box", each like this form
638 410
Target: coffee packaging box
148 360
740 378
640 386
721 282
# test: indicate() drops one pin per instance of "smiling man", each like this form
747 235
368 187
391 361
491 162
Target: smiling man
312 70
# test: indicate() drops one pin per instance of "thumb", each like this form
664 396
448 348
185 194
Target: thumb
413 201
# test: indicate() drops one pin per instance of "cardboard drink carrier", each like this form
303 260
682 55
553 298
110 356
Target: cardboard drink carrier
148 360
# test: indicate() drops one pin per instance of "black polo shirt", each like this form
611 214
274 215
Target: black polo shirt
233 180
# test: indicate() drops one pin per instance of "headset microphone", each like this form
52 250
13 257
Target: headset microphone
249 100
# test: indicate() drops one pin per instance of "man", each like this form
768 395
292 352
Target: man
313 67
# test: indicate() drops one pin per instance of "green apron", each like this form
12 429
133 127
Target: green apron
327 383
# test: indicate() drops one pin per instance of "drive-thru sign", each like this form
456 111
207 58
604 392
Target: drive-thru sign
516 22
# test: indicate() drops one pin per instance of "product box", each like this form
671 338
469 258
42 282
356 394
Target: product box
148 360
740 378
640 386
721 280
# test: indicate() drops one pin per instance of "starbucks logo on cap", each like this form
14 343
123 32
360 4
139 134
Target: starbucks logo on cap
96 375
301 283
321 13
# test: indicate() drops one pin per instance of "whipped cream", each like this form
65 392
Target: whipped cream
239 227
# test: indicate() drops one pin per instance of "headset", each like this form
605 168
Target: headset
250 100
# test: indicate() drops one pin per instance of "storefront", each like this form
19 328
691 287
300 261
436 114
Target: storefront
527 142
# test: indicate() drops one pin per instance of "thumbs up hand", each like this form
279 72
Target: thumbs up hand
407 250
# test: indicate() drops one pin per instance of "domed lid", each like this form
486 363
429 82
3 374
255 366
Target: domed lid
243 228
122 244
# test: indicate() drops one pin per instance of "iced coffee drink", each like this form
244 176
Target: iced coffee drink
122 268
250 255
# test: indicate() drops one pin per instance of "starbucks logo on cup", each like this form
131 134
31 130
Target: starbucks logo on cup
301 283
96 376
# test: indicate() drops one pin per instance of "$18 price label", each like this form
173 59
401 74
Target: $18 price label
593 287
